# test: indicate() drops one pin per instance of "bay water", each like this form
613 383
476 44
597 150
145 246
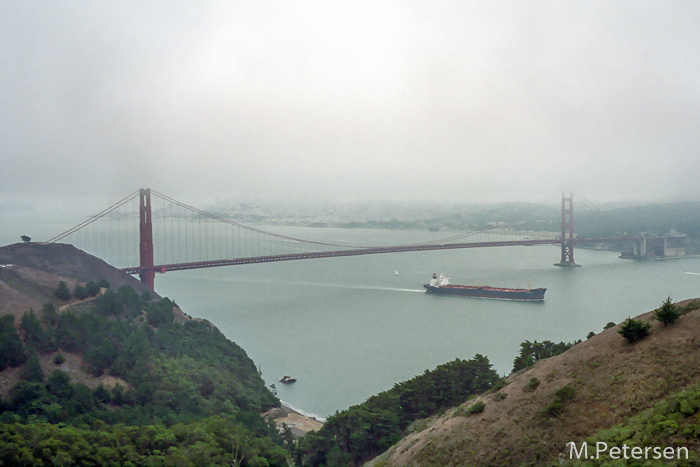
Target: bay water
350 327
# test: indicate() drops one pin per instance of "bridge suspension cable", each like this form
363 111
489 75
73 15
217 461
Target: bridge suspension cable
94 218
243 226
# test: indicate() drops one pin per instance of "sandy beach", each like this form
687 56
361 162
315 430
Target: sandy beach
298 423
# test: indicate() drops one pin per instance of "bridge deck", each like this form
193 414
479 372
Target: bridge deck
337 253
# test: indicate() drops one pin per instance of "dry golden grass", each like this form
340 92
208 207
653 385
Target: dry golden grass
612 380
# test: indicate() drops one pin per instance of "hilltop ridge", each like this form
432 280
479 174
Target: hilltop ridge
65 260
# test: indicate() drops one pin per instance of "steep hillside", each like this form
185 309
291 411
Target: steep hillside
23 288
31 272
594 386
119 376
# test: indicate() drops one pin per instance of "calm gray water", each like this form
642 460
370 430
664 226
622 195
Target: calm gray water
348 328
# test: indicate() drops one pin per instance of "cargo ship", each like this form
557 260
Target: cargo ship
442 285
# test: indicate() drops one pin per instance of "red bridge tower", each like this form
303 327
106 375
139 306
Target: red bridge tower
147 273
567 232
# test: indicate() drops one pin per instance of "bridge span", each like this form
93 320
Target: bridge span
162 268
148 268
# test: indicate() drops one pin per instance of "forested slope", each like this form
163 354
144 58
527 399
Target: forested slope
97 376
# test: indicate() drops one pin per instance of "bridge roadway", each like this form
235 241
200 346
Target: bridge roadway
162 268
330 254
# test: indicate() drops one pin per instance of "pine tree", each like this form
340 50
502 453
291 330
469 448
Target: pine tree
634 330
32 371
668 313
62 292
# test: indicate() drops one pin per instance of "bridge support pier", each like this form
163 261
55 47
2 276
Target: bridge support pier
567 232
147 273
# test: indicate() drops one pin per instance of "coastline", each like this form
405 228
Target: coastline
298 421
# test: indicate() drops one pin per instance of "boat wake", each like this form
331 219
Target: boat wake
692 273
358 287
391 289
319 284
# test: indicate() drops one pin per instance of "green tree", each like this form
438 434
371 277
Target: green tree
361 432
667 313
35 334
11 347
102 394
82 398
118 394
634 330
80 292
31 371
92 288
133 303
58 384
100 356
49 314
531 352
62 292
160 313
109 304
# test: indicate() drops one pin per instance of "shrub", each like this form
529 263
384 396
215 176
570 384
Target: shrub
590 334
531 385
500 384
59 358
565 393
476 408
556 407
668 313
611 324
634 330
499 396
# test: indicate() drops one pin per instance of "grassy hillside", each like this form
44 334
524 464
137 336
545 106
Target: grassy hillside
599 389
65 260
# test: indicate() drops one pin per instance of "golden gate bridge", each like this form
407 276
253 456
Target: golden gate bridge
191 238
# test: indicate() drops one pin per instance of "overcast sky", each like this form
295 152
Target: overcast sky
347 101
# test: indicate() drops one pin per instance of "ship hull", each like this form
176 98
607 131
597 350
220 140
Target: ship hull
498 293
